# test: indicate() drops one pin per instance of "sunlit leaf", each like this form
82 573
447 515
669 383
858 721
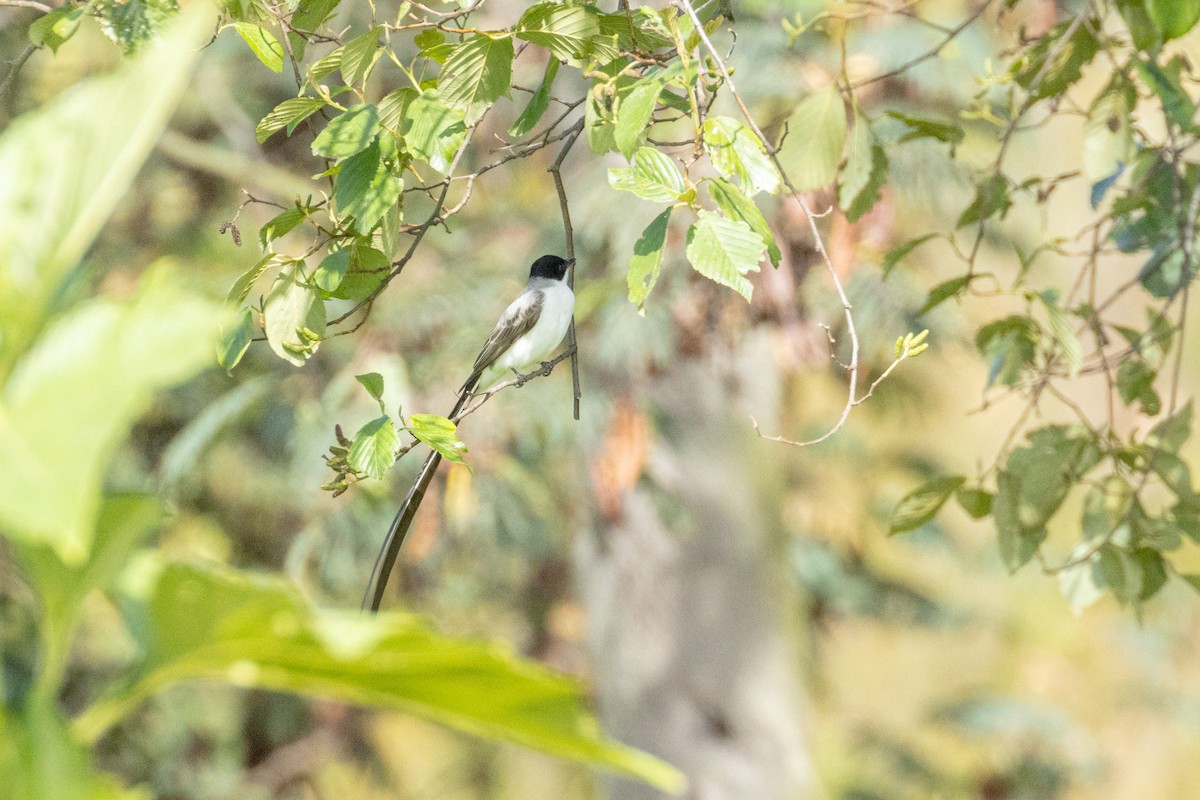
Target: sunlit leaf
439 433
236 341
365 189
1173 18
263 43
360 55
348 133
476 74
373 450
816 134
291 308
725 250
539 101
736 205
738 155
634 112
647 259
653 176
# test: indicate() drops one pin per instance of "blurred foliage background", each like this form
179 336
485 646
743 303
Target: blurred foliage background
921 667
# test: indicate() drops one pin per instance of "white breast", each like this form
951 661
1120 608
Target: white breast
542 340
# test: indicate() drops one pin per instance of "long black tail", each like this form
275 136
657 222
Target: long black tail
386 559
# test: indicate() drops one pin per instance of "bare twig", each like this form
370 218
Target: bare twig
556 171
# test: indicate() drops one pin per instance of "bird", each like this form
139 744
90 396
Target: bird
529 330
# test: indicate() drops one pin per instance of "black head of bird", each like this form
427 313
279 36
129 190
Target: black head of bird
551 267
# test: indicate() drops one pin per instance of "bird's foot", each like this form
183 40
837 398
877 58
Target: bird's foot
521 379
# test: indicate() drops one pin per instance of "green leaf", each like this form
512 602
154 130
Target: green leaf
597 121
539 101
1177 104
476 74
236 341
1108 134
570 33
976 502
281 224
392 109
652 176
348 133
359 56
133 23
865 171
815 138
1173 18
647 260
944 291
922 127
1135 382
291 308
900 251
373 451
738 155
287 114
725 250
245 282
433 131
1142 29
54 29
1172 432
1064 334
991 198
634 113
922 504
332 270
256 631
736 205
1082 583
1010 344
76 158
1054 62
367 271
263 43
72 399
373 383
439 433
365 189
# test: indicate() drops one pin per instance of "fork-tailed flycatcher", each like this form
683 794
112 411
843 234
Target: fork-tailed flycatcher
528 332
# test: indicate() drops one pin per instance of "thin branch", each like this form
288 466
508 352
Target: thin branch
951 35
556 171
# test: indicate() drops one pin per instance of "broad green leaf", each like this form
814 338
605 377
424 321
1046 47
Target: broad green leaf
991 198
332 270
55 28
922 127
324 66
976 502
256 631
373 451
72 399
291 308
865 171
365 189
647 260
1108 134
1145 33
638 28
1177 104
236 341
1105 508
738 155
75 159
1135 383
816 134
900 251
652 176
439 433
597 121
736 205
477 74
367 271
1010 344
1082 583
281 224
922 504
359 56
1172 432
373 383
133 23
348 133
308 17
570 33
539 101
433 131
1173 18
725 250
944 291
287 114
392 108
634 113
245 282
263 43
1054 61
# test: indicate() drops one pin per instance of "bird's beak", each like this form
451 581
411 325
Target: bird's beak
570 262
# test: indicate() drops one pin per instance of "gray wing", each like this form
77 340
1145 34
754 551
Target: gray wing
512 326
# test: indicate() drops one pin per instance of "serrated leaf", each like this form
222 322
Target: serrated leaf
236 341
647 259
366 188
263 43
55 28
1173 18
332 270
1055 61
433 131
281 224
477 74
373 383
324 66
439 433
570 33
738 155
725 250
634 113
865 171
368 270
652 176
287 114
815 138
922 504
348 133
241 287
359 56
539 101
736 205
373 451
393 107
290 307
